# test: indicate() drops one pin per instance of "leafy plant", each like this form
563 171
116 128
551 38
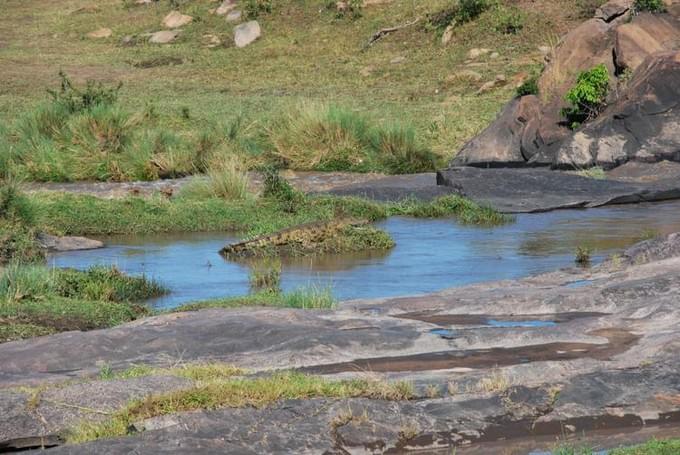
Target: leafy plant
587 97
653 6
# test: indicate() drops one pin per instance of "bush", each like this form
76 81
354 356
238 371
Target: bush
583 254
653 6
265 274
469 10
254 8
508 21
587 97
75 100
460 13
528 87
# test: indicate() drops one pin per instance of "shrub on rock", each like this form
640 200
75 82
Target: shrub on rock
587 97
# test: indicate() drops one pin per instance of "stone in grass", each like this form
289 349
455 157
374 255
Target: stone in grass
102 32
234 16
226 7
163 37
175 19
247 33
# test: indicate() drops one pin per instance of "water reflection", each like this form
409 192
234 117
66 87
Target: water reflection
430 254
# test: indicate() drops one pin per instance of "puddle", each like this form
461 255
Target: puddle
447 334
518 324
499 321
578 284
619 341
430 254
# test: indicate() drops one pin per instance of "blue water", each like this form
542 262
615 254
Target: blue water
430 254
517 324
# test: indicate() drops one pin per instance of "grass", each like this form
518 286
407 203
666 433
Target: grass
236 393
72 214
263 82
595 172
651 447
36 300
583 255
17 225
312 297
266 274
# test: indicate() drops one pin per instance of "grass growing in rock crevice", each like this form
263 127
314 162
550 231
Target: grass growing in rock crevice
238 393
36 300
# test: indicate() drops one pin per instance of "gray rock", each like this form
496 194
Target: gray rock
175 19
234 16
642 125
540 189
247 33
225 7
164 36
55 243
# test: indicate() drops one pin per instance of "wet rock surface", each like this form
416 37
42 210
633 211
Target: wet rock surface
609 361
68 243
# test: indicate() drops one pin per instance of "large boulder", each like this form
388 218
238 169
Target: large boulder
647 35
642 125
501 142
537 134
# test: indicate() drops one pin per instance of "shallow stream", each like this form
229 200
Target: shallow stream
430 254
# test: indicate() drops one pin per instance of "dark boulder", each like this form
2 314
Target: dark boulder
642 125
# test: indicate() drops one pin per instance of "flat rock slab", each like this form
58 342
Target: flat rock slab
613 352
541 189
29 420
421 187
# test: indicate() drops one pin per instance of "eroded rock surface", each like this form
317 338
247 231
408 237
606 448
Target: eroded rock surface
604 355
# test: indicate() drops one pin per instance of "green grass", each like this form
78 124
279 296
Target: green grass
652 447
262 83
236 393
310 297
72 214
36 300
17 225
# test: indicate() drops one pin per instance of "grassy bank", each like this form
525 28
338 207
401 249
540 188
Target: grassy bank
407 80
36 300
71 214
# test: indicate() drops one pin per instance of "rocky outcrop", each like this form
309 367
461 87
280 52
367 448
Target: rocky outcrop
56 243
643 124
504 142
637 49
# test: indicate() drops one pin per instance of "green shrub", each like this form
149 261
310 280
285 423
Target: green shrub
587 97
459 13
254 8
107 284
469 10
18 241
653 6
77 100
528 87
508 20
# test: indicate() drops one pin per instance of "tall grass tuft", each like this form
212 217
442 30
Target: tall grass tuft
330 138
226 179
